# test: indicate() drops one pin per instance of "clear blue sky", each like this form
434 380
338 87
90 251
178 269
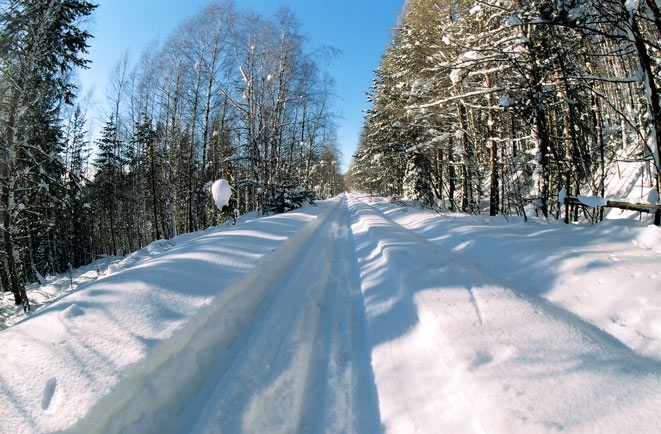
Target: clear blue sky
360 29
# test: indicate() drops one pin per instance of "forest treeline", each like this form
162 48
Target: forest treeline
230 94
498 106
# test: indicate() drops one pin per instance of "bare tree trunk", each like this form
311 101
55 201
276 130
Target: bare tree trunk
651 91
494 199
15 286
465 182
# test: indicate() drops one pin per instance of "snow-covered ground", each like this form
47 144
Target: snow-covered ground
356 315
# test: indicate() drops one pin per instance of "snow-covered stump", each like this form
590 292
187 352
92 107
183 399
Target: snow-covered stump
221 190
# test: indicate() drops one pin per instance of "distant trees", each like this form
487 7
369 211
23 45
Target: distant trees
498 104
231 94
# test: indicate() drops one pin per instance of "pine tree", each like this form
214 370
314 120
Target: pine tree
508 102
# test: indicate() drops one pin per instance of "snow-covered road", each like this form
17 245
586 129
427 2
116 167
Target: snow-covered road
302 364
349 317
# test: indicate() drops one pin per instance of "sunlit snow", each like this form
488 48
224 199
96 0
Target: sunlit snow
221 192
355 315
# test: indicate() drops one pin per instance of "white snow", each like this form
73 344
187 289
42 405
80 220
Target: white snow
221 192
506 101
632 6
562 194
592 201
457 75
514 21
357 315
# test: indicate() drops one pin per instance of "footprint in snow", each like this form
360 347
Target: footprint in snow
482 357
49 393
489 358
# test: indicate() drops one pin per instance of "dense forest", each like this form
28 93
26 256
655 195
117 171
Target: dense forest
499 106
230 94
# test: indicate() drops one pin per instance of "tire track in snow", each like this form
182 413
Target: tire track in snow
418 387
430 252
340 352
265 387
304 345
526 365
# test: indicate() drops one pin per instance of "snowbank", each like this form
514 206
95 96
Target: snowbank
60 362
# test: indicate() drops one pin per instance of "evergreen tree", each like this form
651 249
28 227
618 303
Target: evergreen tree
150 170
107 188
40 43
80 247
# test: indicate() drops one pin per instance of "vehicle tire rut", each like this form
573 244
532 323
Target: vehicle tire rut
294 373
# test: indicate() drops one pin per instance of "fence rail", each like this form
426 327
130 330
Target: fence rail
640 207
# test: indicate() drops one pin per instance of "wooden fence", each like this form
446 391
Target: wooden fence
571 202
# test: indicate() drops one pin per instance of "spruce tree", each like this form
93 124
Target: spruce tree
106 190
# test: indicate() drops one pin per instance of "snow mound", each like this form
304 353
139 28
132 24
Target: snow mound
649 238
221 192
72 311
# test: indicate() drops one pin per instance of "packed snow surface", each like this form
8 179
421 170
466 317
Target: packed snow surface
357 315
